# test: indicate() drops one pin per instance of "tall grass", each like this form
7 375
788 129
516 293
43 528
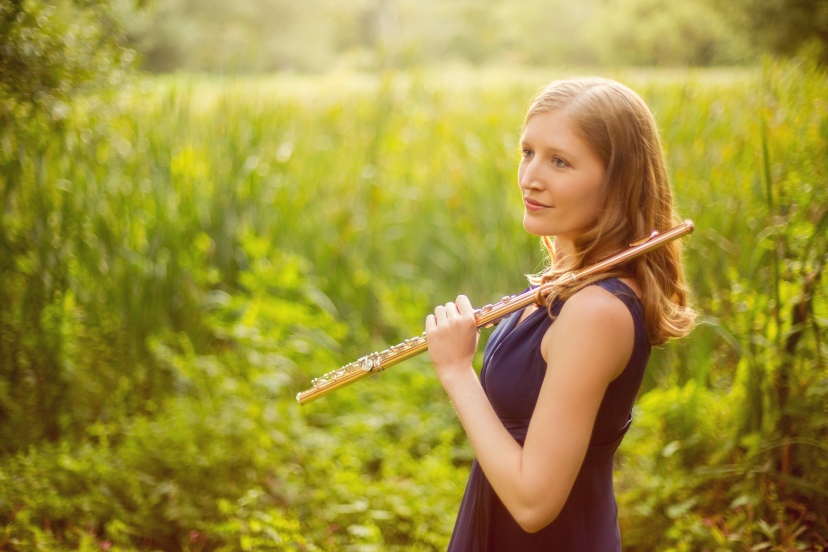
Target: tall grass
223 241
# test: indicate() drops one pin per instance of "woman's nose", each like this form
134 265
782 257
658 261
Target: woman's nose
527 176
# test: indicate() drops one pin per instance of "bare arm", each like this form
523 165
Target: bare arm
586 348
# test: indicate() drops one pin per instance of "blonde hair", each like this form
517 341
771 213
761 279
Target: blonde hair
619 127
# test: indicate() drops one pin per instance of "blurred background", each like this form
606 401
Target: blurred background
207 204
323 35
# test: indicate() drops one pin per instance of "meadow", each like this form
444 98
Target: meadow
179 260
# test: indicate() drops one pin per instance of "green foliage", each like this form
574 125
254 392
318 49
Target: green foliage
179 263
745 426
656 33
59 61
53 51
228 462
319 35
784 27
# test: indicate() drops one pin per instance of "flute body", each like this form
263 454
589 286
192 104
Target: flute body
484 317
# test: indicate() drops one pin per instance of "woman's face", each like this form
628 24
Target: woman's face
560 177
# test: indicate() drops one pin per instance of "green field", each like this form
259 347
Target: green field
180 260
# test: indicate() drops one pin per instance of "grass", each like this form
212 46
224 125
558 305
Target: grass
222 241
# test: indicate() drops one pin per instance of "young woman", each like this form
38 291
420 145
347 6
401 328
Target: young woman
558 382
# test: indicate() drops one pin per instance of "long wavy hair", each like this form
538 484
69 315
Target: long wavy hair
619 127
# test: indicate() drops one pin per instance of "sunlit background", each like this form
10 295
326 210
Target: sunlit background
206 204
323 35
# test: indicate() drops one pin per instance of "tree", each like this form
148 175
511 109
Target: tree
786 27
51 51
52 54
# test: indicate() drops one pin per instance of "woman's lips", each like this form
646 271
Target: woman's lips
534 205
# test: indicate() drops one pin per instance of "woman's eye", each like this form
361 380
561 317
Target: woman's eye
526 153
558 162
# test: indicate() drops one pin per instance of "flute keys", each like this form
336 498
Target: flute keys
371 363
367 364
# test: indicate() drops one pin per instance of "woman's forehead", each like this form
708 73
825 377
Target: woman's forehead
552 129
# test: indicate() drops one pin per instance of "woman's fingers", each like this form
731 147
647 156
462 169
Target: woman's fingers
453 311
431 323
452 336
450 312
464 306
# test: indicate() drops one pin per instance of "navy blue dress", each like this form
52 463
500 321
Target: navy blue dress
512 374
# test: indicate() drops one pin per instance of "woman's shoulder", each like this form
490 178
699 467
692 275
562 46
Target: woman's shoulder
600 305
593 317
621 287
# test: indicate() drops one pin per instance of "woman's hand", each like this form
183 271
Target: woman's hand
452 339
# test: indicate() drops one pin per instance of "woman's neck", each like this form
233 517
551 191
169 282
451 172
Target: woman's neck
563 248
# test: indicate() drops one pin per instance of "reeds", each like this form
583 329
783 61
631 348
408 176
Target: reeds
399 191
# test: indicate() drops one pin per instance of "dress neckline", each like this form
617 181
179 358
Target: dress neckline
520 322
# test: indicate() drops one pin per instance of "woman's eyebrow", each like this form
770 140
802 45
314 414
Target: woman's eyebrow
550 149
554 148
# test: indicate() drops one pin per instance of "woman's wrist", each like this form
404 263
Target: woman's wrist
456 378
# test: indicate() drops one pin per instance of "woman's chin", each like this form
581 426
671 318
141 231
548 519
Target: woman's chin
532 225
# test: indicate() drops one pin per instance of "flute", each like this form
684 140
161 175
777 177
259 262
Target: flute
484 317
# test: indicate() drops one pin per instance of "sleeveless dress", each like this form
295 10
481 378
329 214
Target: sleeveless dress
512 374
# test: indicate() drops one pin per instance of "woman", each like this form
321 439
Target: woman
556 389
